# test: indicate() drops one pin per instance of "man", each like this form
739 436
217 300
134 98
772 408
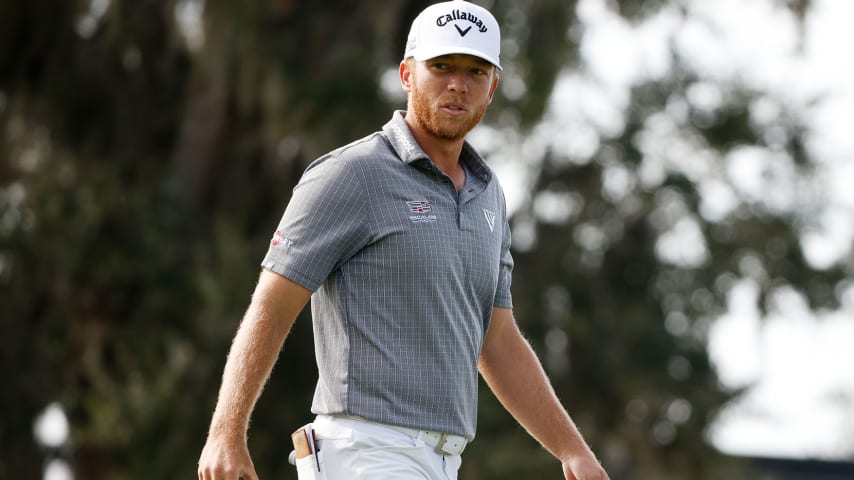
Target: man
401 240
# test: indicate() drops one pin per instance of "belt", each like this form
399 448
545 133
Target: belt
443 443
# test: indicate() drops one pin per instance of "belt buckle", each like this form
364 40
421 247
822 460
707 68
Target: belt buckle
440 446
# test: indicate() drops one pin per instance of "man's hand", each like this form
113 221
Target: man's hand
226 460
583 468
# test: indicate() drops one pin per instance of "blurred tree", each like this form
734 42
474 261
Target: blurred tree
148 148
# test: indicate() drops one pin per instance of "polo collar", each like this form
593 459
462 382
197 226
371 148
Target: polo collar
400 137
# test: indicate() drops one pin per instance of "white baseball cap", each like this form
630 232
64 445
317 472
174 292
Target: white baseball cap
454 27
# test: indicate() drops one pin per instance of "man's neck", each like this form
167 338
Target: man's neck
443 152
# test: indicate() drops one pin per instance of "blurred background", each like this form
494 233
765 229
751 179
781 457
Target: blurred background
679 174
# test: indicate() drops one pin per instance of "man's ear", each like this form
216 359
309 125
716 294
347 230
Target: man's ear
494 87
406 75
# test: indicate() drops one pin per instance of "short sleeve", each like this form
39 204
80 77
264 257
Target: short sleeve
503 297
321 227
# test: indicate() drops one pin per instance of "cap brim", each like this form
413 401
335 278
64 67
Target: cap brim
427 54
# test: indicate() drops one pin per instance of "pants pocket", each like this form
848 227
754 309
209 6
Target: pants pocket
307 468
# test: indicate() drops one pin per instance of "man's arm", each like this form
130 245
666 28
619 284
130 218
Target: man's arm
513 372
275 305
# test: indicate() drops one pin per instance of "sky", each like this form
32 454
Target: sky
795 363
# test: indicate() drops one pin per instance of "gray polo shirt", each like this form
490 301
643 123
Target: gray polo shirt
405 273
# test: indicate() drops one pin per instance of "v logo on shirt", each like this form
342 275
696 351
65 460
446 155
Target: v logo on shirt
490 219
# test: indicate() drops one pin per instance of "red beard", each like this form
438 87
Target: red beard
439 125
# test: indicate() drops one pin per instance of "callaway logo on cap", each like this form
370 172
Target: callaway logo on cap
454 27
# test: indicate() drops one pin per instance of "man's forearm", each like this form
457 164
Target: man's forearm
253 353
274 307
516 376
249 364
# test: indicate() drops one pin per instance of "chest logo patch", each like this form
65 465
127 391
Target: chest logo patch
420 211
490 219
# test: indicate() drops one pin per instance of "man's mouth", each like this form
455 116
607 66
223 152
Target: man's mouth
454 109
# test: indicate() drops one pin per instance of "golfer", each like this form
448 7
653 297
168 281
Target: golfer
401 242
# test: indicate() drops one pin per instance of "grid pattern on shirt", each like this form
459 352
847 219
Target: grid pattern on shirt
403 294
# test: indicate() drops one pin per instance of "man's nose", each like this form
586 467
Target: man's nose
458 82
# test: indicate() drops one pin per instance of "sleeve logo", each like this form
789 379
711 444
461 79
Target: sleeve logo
279 239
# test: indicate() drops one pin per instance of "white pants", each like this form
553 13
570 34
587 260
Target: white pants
354 450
